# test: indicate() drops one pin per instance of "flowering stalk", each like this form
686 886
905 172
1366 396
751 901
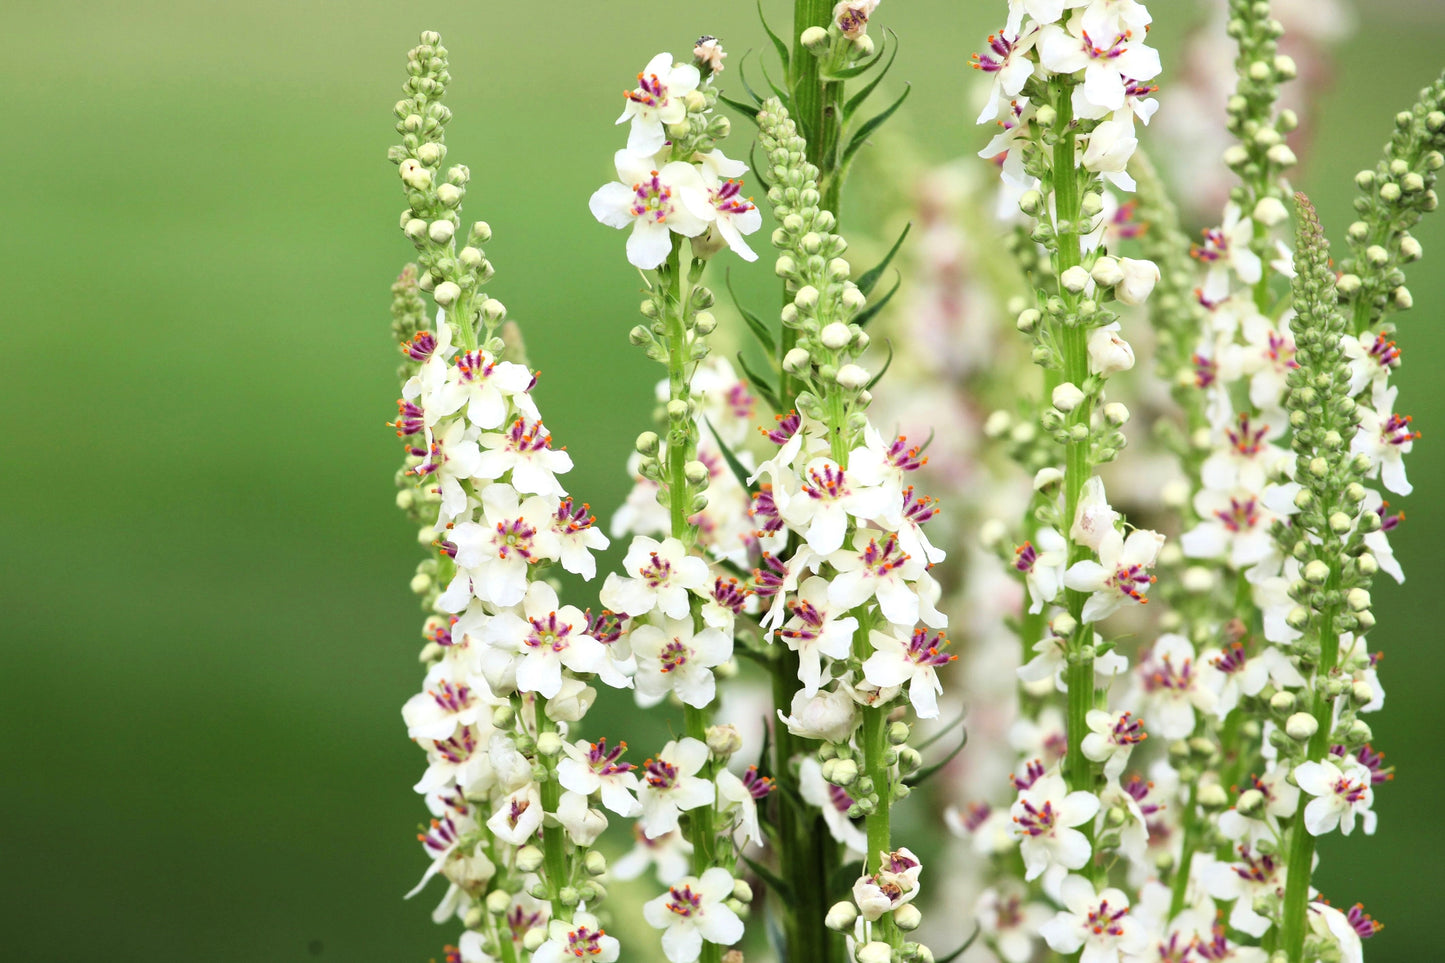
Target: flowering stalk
1334 593
1392 198
508 666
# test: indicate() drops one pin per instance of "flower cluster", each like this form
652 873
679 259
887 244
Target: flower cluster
509 667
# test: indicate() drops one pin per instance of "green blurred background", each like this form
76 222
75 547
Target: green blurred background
206 633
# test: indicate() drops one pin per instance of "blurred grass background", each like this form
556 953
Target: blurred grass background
206 633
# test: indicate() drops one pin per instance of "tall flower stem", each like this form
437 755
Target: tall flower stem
554 842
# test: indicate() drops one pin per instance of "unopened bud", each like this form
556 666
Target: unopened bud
797 361
723 741
1067 396
1301 726
908 917
1074 279
529 859
841 916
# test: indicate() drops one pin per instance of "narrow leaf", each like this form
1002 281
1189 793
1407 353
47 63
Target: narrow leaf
760 384
964 948
739 472
765 337
778 44
923 775
870 278
784 891
750 111
757 170
886 365
941 732
870 312
780 92
743 77
866 131
856 101
858 70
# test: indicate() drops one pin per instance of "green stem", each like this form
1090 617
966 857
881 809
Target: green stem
1180 884
554 837
1300 866
701 827
678 494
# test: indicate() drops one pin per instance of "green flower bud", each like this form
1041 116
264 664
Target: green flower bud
1301 726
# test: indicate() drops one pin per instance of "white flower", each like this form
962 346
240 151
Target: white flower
1111 739
1050 660
1372 359
1173 689
1108 150
525 450
445 704
518 816
1233 525
1340 795
1043 567
1243 456
580 939
1043 817
1327 921
732 214
582 823
1042 11
667 854
880 569
655 204
1229 675
1109 354
1386 439
1011 67
895 884
1140 276
1108 18
1010 924
454 761
820 509
813 631
1099 923
577 537
594 767
548 639
662 575
1094 519
744 794
483 385
829 715
895 662
658 100
1269 357
492 557
1105 67
1255 875
1378 541
1121 574
672 659
833 801
1228 247
693 910
453 457
671 786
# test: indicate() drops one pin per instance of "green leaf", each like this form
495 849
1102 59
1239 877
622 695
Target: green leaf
923 775
870 312
743 77
784 891
856 101
758 170
739 472
870 278
750 111
962 949
780 92
866 131
946 729
760 384
765 337
879 376
778 44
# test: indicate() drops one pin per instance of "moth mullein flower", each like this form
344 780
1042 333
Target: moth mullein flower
672 658
1121 575
1098 923
662 574
655 203
580 939
657 101
693 910
1044 817
1341 793
670 785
